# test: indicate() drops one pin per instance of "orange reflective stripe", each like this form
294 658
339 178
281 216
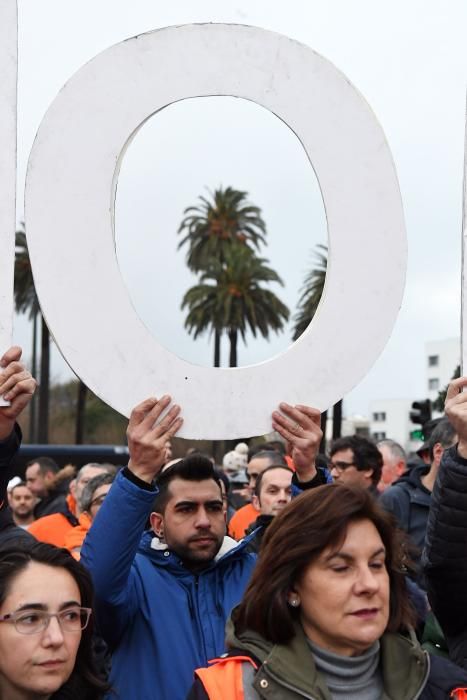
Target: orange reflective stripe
224 680
459 694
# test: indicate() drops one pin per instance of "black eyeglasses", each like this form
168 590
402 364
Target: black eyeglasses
341 466
35 621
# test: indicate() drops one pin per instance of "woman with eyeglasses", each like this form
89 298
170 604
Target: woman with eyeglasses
46 626
326 615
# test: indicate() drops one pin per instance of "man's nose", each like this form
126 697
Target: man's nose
202 519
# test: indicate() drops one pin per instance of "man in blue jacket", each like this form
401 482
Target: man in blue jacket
163 599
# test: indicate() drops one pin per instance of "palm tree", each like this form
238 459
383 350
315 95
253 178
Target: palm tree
26 301
230 297
308 302
212 227
311 292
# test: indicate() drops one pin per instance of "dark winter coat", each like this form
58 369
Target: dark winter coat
445 554
409 501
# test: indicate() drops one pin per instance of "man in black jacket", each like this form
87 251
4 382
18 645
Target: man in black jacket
409 498
445 554
16 386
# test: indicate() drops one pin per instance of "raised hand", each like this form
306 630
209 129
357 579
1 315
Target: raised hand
456 410
16 386
300 426
148 435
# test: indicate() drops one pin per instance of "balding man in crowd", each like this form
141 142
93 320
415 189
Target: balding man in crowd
273 491
394 463
247 514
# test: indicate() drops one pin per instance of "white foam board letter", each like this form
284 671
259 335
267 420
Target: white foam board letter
72 177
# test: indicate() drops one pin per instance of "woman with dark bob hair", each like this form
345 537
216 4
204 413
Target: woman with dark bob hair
46 626
326 615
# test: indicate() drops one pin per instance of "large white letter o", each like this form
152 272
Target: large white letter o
70 193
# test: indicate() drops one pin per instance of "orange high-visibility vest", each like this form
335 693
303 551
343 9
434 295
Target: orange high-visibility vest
224 679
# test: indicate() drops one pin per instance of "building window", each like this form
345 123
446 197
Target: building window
433 360
379 417
433 384
379 436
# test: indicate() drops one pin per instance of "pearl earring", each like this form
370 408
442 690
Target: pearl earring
294 602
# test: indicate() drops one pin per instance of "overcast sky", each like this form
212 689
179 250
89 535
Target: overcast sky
409 59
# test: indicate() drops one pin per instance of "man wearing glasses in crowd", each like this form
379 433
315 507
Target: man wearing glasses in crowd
356 460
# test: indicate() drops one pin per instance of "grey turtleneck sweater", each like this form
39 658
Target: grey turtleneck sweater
350 677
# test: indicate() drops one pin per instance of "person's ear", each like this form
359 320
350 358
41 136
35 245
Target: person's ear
157 524
255 502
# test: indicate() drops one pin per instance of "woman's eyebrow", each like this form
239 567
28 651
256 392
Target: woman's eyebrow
41 606
350 557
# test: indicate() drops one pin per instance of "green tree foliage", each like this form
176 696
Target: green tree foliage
26 301
101 424
231 296
212 227
311 292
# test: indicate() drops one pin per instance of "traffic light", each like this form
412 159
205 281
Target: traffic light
421 412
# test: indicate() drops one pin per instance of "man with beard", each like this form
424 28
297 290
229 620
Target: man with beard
163 599
21 502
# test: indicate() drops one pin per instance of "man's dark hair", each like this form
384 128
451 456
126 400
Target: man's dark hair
272 456
259 480
366 454
46 465
444 433
192 468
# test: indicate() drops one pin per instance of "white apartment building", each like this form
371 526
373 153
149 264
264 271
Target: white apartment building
441 359
390 418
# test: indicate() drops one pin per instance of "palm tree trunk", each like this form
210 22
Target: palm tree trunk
80 412
217 348
33 411
43 431
233 335
337 420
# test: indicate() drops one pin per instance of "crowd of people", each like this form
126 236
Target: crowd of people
282 573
